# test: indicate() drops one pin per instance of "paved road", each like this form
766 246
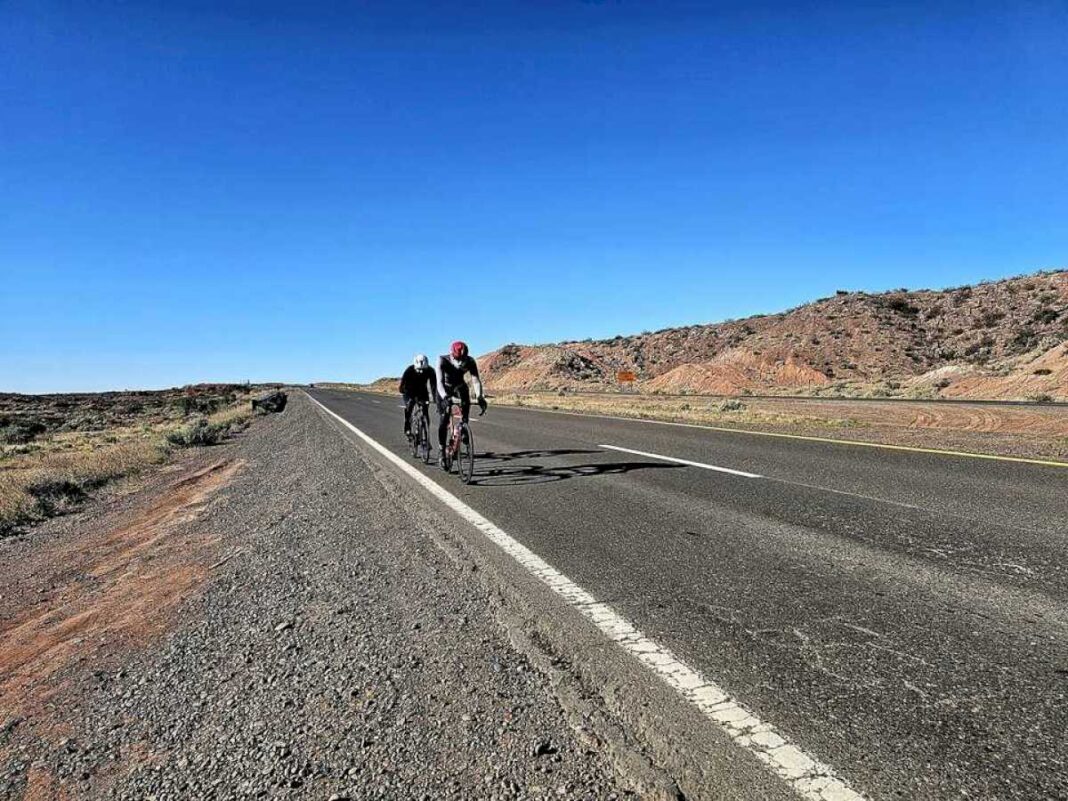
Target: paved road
903 616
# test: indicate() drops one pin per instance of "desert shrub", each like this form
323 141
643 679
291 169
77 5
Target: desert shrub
942 383
732 406
19 432
1023 338
990 319
903 307
57 494
38 486
1043 316
199 432
200 404
1042 371
983 344
1042 397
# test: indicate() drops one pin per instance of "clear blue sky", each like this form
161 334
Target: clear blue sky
301 191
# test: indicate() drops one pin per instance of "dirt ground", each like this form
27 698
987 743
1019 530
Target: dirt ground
85 598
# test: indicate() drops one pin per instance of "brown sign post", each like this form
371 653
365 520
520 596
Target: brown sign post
625 378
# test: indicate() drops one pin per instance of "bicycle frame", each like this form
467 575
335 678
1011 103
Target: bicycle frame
455 425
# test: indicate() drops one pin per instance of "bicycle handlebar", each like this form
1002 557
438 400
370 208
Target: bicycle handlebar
453 400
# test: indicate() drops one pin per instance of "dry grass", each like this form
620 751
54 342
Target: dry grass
38 485
211 429
234 418
1025 431
709 411
56 472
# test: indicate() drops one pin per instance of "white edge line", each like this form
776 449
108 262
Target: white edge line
804 774
702 465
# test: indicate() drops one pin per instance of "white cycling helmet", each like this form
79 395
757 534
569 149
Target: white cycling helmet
420 361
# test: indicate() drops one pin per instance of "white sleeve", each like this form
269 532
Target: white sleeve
441 384
477 385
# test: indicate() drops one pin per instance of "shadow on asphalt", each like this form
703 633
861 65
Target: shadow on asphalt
512 476
513 455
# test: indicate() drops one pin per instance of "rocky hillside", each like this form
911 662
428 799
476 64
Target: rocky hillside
1003 339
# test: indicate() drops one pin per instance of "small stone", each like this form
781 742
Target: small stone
543 747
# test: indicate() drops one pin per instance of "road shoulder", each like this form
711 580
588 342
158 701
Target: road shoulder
335 642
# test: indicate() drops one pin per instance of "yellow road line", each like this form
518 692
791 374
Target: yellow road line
859 443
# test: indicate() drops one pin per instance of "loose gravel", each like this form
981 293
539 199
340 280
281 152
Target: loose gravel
334 651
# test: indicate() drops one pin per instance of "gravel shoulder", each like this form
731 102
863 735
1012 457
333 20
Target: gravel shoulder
271 618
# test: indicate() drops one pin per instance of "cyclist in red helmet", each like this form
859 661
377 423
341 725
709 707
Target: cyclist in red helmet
452 367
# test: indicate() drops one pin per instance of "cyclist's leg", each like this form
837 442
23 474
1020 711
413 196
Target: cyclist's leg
409 404
443 428
465 402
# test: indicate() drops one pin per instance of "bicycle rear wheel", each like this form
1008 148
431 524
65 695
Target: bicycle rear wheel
413 434
424 439
466 457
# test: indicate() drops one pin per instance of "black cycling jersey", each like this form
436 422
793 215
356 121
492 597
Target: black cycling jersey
417 384
451 373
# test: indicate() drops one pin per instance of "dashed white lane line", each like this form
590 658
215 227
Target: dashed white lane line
810 778
702 465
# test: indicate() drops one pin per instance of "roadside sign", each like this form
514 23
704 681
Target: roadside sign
626 377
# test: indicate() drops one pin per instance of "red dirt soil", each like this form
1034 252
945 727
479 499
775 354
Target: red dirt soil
110 589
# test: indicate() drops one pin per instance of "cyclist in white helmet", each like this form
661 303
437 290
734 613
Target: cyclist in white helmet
416 386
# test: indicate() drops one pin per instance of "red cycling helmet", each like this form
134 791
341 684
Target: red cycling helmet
458 349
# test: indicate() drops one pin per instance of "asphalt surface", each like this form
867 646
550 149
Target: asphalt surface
900 615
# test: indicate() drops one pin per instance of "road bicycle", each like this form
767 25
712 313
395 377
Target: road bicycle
460 444
419 434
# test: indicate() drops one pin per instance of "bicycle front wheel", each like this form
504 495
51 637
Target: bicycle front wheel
466 457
